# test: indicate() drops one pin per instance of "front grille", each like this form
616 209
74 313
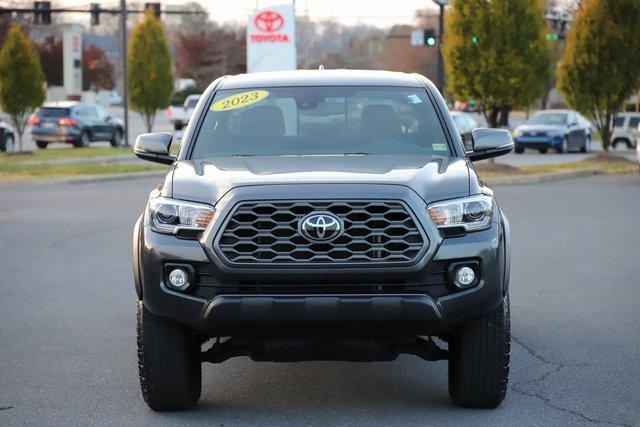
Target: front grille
374 232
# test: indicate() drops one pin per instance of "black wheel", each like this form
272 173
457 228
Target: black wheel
116 139
564 147
9 145
41 144
479 359
519 150
543 150
586 148
621 142
83 141
168 363
178 126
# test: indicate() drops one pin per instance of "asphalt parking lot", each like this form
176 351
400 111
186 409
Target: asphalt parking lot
67 310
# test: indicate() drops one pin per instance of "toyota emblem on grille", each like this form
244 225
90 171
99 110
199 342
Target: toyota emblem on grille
320 227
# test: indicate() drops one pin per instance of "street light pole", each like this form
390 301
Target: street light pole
125 70
441 82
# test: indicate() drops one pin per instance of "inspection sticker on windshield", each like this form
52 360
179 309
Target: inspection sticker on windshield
439 147
239 100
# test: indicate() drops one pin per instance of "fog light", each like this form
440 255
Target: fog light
178 279
465 276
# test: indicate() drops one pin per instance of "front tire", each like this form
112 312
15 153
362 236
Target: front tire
168 363
116 139
564 147
543 150
586 148
479 359
519 150
41 144
178 126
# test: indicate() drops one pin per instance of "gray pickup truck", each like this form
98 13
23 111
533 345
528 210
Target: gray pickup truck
322 215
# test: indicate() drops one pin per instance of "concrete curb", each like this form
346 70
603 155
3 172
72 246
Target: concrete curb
123 158
542 177
81 179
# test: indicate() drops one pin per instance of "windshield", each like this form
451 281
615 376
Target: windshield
549 119
52 112
320 121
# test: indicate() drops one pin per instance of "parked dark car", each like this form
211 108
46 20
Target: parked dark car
75 123
561 130
322 215
7 138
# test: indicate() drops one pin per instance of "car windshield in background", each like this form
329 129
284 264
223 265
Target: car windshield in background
53 112
320 121
549 119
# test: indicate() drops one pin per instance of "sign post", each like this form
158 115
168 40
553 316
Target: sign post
72 59
271 39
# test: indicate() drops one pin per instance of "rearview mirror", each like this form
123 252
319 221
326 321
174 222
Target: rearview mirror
154 147
489 143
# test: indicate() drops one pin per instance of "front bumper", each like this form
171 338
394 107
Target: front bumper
537 142
398 301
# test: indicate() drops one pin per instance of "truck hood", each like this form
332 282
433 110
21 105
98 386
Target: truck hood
432 178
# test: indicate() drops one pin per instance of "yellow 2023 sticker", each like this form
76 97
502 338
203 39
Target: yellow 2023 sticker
239 100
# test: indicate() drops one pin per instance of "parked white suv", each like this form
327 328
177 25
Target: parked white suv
625 129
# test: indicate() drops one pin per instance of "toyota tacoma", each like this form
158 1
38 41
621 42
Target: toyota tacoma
322 215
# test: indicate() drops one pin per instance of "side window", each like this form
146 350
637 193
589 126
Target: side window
91 112
102 113
634 122
618 122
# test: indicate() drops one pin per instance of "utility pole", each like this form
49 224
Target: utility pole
442 4
125 69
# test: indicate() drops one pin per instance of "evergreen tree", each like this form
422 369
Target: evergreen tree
150 76
21 79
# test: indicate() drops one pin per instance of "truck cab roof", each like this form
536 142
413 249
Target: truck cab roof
322 78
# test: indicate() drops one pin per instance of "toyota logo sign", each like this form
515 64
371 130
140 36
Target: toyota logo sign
268 21
320 227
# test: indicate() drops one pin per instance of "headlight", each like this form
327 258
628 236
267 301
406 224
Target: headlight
473 213
517 133
169 216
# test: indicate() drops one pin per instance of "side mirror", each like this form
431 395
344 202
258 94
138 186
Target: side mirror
489 143
154 147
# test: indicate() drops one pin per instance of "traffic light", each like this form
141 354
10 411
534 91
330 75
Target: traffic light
42 12
552 37
155 7
430 38
95 14
474 39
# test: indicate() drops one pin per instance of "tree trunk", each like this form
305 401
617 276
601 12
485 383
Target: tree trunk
18 122
149 119
492 118
503 120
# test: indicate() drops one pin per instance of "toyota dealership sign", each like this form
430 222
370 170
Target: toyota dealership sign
271 39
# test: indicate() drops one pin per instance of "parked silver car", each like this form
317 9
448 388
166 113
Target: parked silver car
625 130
